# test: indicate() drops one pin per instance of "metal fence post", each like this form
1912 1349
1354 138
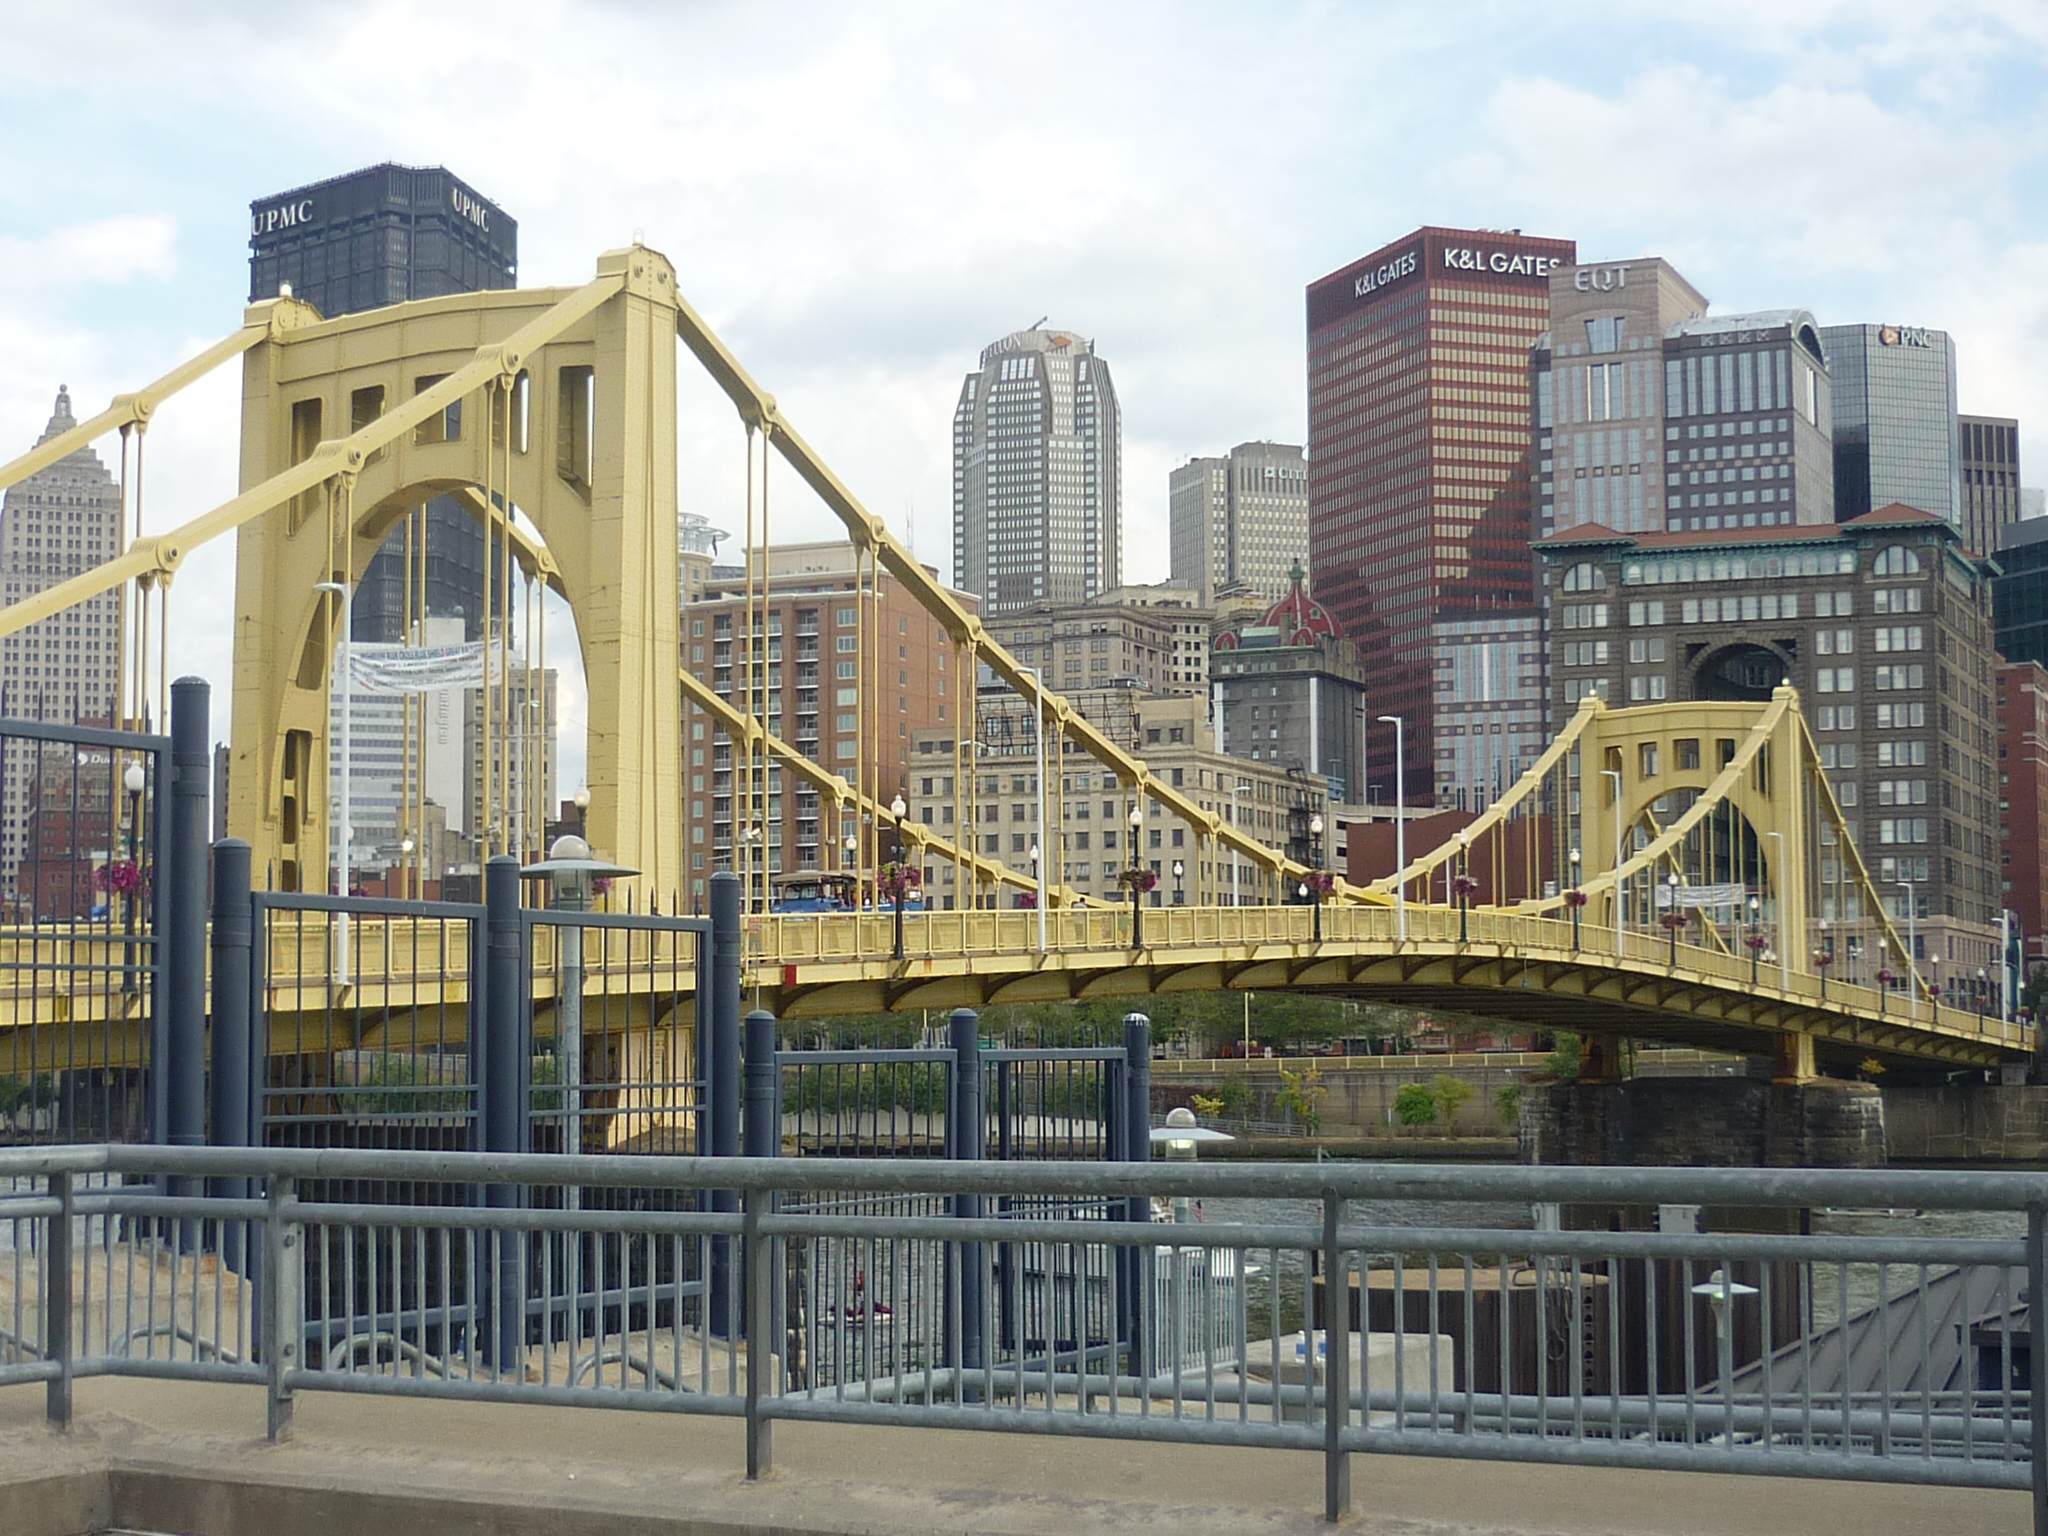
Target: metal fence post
182 910
2037 1361
1336 1365
506 1070
723 1082
1136 1147
763 1133
757 1318
968 1141
234 1045
57 1341
281 1301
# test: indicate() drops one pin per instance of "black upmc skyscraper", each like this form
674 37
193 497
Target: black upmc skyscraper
383 236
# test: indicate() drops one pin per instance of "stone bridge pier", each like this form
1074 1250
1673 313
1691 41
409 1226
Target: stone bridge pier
1717 1122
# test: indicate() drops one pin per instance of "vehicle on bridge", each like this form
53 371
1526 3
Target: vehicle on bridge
812 890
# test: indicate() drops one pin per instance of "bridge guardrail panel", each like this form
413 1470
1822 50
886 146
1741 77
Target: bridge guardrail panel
1457 1328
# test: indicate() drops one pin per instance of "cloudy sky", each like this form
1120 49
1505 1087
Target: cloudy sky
859 197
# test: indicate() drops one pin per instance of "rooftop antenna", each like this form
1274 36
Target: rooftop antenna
1034 325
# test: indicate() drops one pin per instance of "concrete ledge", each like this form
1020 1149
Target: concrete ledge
190 1460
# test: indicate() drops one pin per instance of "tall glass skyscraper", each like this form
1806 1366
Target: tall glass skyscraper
1895 419
383 236
1420 463
1037 474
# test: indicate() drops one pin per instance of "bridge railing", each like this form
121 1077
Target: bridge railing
959 1296
1179 933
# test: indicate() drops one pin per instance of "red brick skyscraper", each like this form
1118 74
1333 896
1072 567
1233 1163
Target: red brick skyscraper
1419 458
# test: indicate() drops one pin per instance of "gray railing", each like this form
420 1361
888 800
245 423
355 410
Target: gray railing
1022 1297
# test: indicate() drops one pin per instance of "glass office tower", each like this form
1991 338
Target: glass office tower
1895 419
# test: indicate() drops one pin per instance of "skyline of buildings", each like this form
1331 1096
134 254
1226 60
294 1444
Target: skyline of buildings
1037 473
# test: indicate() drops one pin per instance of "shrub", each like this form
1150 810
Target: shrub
1415 1105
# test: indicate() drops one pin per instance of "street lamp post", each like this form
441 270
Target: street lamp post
1575 899
1755 941
1400 826
897 809
1236 862
1672 921
1825 958
1179 869
1983 995
134 780
1912 948
1784 939
581 800
345 828
1137 903
1615 774
1315 830
1038 742
1462 886
405 847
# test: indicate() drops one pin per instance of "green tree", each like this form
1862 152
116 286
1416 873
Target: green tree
1301 1095
1451 1095
1235 1095
1564 1058
1415 1105
1507 1103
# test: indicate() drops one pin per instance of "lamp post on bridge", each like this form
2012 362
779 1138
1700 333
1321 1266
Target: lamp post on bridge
1464 885
1754 941
1912 947
1615 774
1179 869
1575 899
1673 921
1784 939
900 874
1400 826
1038 742
345 829
1823 958
1137 877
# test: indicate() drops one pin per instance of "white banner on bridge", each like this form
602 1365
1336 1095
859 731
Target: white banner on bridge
1715 896
417 669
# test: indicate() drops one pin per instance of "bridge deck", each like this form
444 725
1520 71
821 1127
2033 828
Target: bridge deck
1534 970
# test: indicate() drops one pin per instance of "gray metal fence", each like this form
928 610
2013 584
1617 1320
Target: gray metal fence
1492 1343
80 951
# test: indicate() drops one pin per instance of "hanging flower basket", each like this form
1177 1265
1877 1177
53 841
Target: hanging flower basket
896 882
123 877
1756 941
1464 887
1322 885
1823 959
1575 897
1140 880
1673 920
1885 978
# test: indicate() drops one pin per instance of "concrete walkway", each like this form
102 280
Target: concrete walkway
169 1457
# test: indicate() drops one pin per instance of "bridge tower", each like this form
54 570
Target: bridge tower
560 403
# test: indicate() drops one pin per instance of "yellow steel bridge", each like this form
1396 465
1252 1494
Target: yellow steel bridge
1592 897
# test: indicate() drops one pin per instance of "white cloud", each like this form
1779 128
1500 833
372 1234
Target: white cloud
111 250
